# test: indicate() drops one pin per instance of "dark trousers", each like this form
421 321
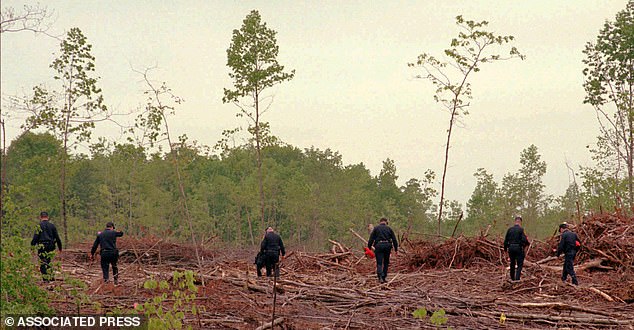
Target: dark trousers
382 252
516 254
569 259
260 262
45 261
110 258
271 260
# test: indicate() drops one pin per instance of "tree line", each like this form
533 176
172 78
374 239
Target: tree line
311 194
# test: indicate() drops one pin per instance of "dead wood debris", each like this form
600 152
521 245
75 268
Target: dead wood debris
466 277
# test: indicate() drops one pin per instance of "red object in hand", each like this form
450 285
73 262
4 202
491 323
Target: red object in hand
577 243
369 253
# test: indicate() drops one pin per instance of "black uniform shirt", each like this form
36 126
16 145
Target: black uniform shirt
383 233
107 239
567 243
272 242
47 235
515 235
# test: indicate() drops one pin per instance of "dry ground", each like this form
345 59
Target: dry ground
338 290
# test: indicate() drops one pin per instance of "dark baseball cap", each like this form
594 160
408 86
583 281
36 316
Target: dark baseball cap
563 226
110 225
43 214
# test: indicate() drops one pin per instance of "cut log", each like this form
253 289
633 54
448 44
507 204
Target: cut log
268 325
601 293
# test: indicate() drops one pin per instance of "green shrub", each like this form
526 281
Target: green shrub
20 292
162 315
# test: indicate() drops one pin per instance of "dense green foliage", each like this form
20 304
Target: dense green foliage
20 292
312 194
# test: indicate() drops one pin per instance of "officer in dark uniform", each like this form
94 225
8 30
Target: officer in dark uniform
271 247
515 242
568 245
46 236
382 239
109 253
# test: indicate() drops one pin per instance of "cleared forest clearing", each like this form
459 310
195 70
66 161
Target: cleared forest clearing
464 277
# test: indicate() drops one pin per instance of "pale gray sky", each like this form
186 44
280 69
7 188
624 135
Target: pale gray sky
353 91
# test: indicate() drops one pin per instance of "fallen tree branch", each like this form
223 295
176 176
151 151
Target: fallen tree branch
268 325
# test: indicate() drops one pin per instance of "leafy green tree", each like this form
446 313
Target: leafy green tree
252 58
609 82
598 190
389 191
416 201
72 112
33 184
567 203
473 47
511 199
532 187
483 206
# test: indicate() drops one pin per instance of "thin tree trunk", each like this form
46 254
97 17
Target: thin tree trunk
444 171
239 227
63 177
454 110
259 157
630 163
250 229
630 169
181 187
3 167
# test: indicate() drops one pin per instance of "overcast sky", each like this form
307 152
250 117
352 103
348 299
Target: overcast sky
352 91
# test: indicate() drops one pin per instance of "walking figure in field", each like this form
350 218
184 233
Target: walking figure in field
515 242
568 245
383 239
109 252
46 236
271 247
